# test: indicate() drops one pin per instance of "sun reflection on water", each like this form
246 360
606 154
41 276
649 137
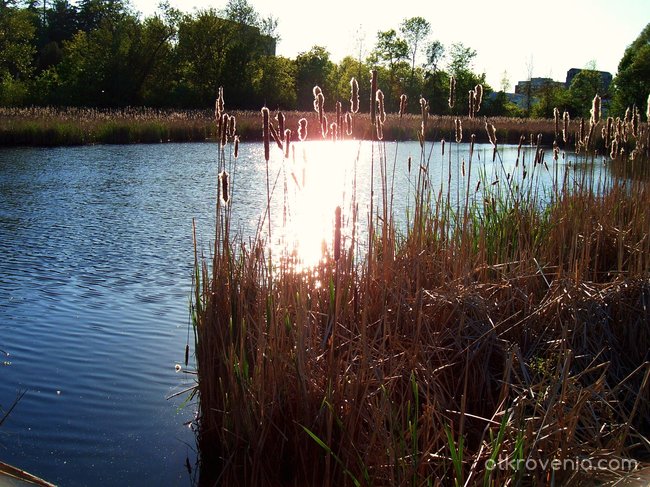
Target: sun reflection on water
318 178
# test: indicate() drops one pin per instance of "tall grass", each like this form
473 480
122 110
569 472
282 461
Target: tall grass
513 326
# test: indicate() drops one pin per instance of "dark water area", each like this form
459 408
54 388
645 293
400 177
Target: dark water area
96 258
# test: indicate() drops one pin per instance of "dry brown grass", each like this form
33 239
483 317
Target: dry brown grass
509 329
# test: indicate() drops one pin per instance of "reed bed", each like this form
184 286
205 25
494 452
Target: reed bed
473 347
79 126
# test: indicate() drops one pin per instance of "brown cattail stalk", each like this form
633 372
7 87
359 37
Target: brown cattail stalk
556 118
595 110
565 126
339 120
236 143
478 97
380 107
402 105
492 133
348 123
471 103
354 97
452 92
281 121
223 132
302 129
224 187
287 142
323 126
647 110
232 126
459 130
266 133
373 94
219 104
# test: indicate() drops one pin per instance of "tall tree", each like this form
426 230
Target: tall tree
415 31
632 82
17 32
314 67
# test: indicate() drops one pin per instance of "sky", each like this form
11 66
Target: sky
513 39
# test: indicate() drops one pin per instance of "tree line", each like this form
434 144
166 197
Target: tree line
101 53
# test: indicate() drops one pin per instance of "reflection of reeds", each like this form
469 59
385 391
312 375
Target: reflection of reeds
516 328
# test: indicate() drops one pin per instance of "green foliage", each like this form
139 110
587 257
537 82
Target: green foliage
632 83
314 67
17 32
272 79
586 84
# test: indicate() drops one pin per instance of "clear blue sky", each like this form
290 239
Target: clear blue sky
543 38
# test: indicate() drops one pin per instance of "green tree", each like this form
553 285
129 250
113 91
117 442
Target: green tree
314 67
585 85
632 82
17 33
274 79
415 31
460 67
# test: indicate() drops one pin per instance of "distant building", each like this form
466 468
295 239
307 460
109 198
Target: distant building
535 85
605 77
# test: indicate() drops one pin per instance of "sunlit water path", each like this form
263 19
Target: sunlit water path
95 275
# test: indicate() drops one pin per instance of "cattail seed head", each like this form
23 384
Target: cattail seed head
402 105
380 106
478 97
281 121
321 106
647 110
287 142
219 105
595 110
339 119
302 129
452 92
492 133
232 126
334 131
266 132
224 187
380 130
223 135
348 123
373 94
236 141
471 103
581 131
459 130
565 126
354 96
323 126
556 119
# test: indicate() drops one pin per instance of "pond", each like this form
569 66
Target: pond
96 256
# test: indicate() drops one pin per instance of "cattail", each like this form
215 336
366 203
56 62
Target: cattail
402 105
609 126
339 120
647 110
636 120
452 92
275 136
471 146
556 117
373 94
565 125
471 103
380 106
316 91
302 129
219 105
380 130
337 233
348 123
223 187
265 132
287 142
459 130
442 147
492 133
595 110
408 163
232 126
424 109
354 97
626 120
556 151
478 97
614 150
236 140
581 131
321 107
281 121
334 131
323 126
187 355
223 132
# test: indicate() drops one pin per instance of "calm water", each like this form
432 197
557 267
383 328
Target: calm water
95 276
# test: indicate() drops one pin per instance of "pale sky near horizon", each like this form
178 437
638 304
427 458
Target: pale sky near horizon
546 39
